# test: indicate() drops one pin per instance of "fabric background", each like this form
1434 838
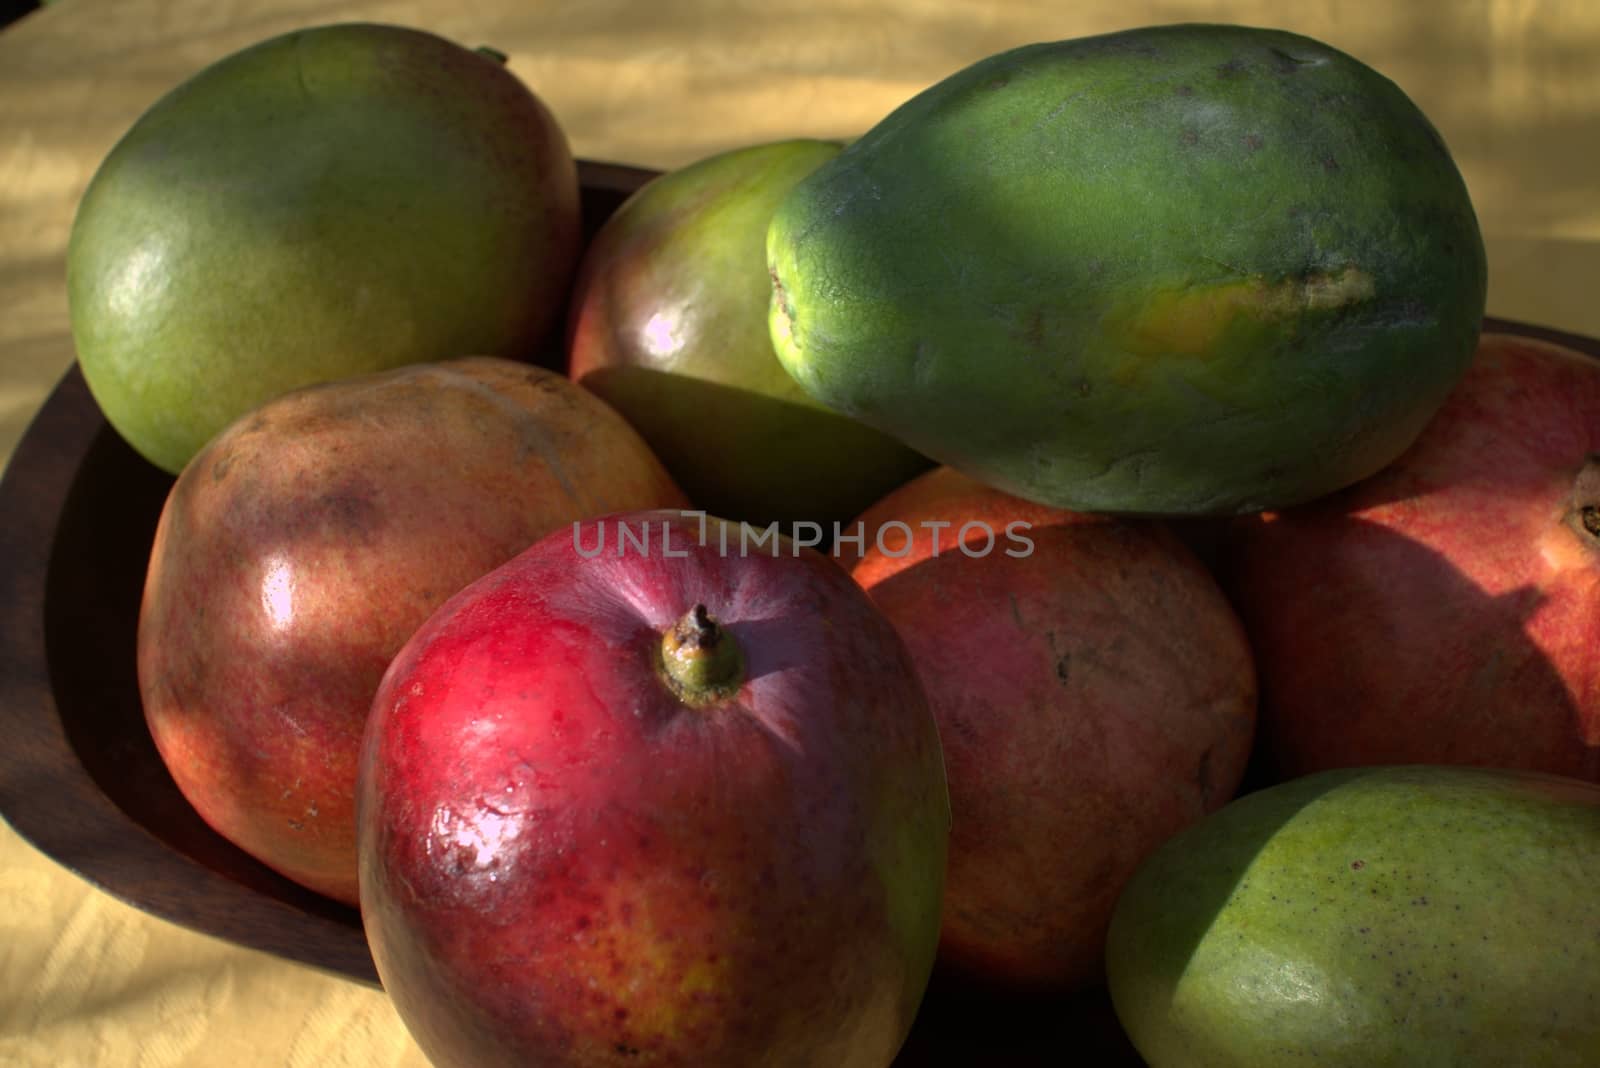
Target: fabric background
89 982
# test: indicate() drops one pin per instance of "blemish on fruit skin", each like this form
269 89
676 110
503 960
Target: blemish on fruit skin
1284 63
780 293
1192 320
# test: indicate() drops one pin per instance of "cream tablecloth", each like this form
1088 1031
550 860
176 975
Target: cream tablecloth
89 982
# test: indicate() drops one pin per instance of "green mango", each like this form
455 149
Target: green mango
1180 270
668 323
1405 916
331 202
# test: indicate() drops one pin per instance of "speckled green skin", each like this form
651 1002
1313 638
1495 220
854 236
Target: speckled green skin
1186 269
335 201
1400 916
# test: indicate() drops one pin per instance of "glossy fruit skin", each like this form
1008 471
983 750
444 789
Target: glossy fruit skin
1095 694
1177 270
668 323
1446 611
562 864
334 201
306 542
1396 917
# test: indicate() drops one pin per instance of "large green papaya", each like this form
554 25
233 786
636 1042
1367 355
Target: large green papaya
1384 917
1187 269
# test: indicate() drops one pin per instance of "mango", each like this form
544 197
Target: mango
1405 916
668 323
1178 270
331 202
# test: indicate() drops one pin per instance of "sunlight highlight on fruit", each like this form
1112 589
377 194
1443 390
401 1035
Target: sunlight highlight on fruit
662 334
277 593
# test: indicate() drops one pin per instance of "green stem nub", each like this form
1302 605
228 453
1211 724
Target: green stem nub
492 53
700 661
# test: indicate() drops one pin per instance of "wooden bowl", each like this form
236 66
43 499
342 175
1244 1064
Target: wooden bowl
80 777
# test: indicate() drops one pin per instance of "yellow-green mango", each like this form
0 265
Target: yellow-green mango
1385 917
334 201
668 323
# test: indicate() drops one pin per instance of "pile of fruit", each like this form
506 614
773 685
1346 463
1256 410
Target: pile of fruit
861 563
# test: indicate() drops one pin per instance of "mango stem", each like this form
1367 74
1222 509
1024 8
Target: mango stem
699 660
1585 511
